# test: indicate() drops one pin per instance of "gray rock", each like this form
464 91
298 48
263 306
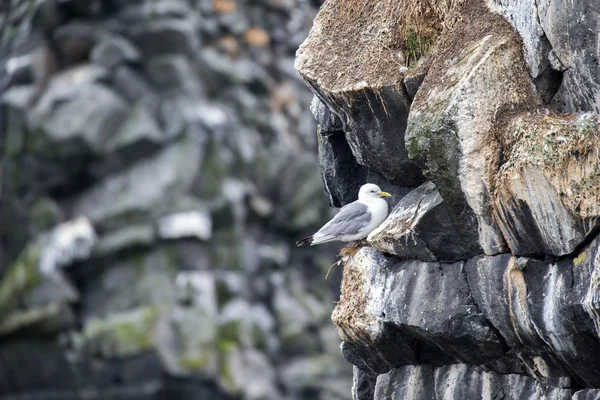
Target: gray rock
411 382
363 384
121 335
587 394
138 131
111 51
545 199
421 227
500 291
174 73
382 313
451 135
134 88
412 83
342 175
141 188
450 383
219 71
140 235
75 118
328 122
166 36
570 287
545 27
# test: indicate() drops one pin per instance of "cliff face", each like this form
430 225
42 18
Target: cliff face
481 116
156 167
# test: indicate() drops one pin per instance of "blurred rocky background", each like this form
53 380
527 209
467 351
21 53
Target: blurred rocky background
157 164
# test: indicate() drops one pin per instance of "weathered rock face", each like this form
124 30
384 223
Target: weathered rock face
366 92
156 166
554 38
483 280
547 189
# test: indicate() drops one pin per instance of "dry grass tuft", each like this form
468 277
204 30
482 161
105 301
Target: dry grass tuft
565 147
372 39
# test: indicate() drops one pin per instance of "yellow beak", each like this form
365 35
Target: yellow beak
384 194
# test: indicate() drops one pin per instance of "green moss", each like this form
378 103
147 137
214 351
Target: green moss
45 214
433 144
200 362
258 338
416 44
20 277
226 369
230 331
123 334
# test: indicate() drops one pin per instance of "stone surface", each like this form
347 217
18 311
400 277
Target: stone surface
420 227
381 312
371 102
451 133
546 197
561 37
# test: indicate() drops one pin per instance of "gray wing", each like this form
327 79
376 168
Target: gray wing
351 219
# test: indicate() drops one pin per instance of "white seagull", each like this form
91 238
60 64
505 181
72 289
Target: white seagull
355 220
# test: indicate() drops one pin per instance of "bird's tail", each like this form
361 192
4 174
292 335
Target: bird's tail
305 241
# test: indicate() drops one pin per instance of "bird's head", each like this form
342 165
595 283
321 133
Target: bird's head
369 191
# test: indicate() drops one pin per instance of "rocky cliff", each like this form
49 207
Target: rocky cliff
157 164
482 118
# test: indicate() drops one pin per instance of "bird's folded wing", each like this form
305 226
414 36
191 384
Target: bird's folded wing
351 220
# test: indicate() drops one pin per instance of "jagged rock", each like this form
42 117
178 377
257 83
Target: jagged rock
366 92
570 289
569 32
188 346
140 131
546 197
42 320
587 394
134 88
451 134
518 302
382 312
421 227
450 383
125 238
342 175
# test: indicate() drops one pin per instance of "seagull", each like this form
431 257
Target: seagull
355 220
